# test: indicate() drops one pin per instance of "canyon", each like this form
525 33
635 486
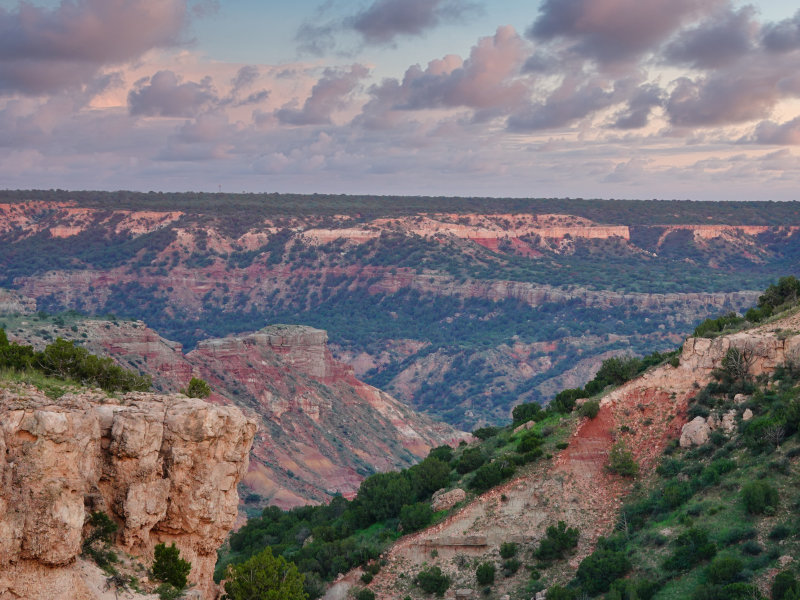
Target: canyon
321 430
460 314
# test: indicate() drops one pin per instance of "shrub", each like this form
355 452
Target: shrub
783 585
511 566
691 547
724 569
166 591
264 576
367 578
484 433
530 411
621 461
602 567
442 453
530 441
589 409
508 550
169 567
558 592
365 594
490 475
759 497
471 459
433 581
564 402
415 516
559 540
484 574
197 388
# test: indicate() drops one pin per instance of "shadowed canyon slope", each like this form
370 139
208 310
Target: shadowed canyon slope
460 309
321 430
164 468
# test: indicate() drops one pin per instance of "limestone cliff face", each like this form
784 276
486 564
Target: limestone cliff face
165 468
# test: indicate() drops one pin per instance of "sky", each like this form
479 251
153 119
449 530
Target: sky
695 99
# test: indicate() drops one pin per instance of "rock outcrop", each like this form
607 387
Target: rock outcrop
164 468
322 430
695 433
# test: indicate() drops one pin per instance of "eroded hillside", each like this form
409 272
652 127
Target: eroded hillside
648 414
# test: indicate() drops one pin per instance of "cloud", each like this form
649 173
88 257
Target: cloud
46 50
637 113
385 20
485 82
576 98
330 93
716 42
164 95
768 132
382 22
614 30
784 35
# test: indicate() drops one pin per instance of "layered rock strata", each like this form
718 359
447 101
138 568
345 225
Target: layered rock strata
164 468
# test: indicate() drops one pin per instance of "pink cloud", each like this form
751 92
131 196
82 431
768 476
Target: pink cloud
45 50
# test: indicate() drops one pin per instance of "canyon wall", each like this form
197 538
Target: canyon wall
164 468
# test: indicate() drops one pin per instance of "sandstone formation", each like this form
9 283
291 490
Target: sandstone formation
165 468
322 430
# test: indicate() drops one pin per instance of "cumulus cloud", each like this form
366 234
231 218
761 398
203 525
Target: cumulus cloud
45 50
166 95
332 92
385 20
640 106
716 42
382 22
576 98
784 35
485 82
614 30
768 132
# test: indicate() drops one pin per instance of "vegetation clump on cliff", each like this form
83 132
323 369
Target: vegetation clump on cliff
65 361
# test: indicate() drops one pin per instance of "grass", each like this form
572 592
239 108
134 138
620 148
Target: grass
51 387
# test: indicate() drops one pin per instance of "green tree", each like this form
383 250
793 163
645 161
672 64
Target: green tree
169 567
197 388
264 577
415 516
433 581
559 540
485 573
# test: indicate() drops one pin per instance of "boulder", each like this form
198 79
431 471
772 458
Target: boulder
728 423
694 433
443 500
748 414
741 398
